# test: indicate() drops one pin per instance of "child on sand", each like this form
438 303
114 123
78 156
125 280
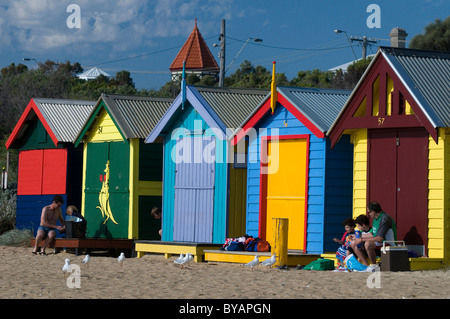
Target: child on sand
349 234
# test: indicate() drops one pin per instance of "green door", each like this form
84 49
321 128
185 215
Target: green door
106 189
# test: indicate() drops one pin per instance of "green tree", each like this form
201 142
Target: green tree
436 37
314 78
249 76
349 78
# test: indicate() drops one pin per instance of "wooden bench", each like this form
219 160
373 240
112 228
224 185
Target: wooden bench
89 243
171 248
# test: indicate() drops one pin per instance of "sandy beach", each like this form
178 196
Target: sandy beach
27 276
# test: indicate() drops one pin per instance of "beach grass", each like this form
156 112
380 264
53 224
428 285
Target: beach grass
16 237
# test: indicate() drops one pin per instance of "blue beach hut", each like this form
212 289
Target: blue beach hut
203 190
292 171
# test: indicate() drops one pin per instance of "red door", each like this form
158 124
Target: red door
398 179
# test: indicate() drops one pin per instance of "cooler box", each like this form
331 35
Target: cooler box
394 257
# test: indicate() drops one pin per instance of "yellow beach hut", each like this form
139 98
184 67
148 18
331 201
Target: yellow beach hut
122 176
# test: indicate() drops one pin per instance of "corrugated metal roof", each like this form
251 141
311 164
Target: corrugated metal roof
320 106
65 117
232 105
136 116
427 74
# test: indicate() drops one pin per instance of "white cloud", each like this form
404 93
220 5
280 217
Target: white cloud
40 25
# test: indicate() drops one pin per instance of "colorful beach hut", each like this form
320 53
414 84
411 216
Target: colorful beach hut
292 171
49 163
121 174
203 190
398 118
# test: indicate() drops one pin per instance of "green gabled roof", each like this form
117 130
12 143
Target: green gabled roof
134 116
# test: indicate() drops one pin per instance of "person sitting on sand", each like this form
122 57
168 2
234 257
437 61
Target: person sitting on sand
363 224
383 229
47 228
350 233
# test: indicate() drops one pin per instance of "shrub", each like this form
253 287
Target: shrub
8 201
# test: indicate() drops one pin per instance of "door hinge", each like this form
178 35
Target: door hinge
398 141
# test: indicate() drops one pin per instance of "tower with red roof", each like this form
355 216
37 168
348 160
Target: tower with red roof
198 57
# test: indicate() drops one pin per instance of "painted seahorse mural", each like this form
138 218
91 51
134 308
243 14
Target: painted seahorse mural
103 197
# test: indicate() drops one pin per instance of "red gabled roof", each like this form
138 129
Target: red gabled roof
196 54
21 124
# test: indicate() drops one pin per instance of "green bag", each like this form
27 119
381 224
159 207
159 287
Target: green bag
320 264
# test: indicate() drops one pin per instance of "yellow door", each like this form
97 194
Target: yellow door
286 188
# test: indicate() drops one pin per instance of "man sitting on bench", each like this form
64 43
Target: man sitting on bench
47 228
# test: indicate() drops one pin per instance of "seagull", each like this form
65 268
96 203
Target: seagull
66 268
178 261
186 260
253 263
121 258
86 260
270 261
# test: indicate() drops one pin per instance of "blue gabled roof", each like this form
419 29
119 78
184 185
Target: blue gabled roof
222 108
320 106
427 75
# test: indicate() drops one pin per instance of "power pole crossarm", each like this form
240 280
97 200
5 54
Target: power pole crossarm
365 42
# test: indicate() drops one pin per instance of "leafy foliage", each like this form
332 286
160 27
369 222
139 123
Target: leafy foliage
436 37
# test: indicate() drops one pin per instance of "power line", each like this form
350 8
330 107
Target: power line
144 54
288 48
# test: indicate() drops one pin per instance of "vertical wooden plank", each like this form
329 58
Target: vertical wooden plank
359 140
133 225
279 243
382 93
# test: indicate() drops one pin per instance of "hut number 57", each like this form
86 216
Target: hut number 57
74 19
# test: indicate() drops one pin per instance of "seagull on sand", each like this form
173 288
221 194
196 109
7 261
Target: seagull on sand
66 268
270 261
186 260
178 261
86 260
253 263
121 259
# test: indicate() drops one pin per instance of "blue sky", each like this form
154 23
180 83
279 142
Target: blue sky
144 37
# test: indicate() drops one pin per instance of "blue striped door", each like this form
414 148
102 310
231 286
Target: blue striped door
194 189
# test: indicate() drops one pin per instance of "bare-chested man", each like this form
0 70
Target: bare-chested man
50 215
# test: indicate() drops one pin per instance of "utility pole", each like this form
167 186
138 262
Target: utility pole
222 53
365 42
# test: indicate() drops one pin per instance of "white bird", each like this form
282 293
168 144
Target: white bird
86 260
186 260
253 263
66 268
178 261
121 258
269 261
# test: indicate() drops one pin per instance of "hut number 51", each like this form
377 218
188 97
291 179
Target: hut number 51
74 19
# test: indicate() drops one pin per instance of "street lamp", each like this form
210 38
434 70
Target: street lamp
342 31
31 59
